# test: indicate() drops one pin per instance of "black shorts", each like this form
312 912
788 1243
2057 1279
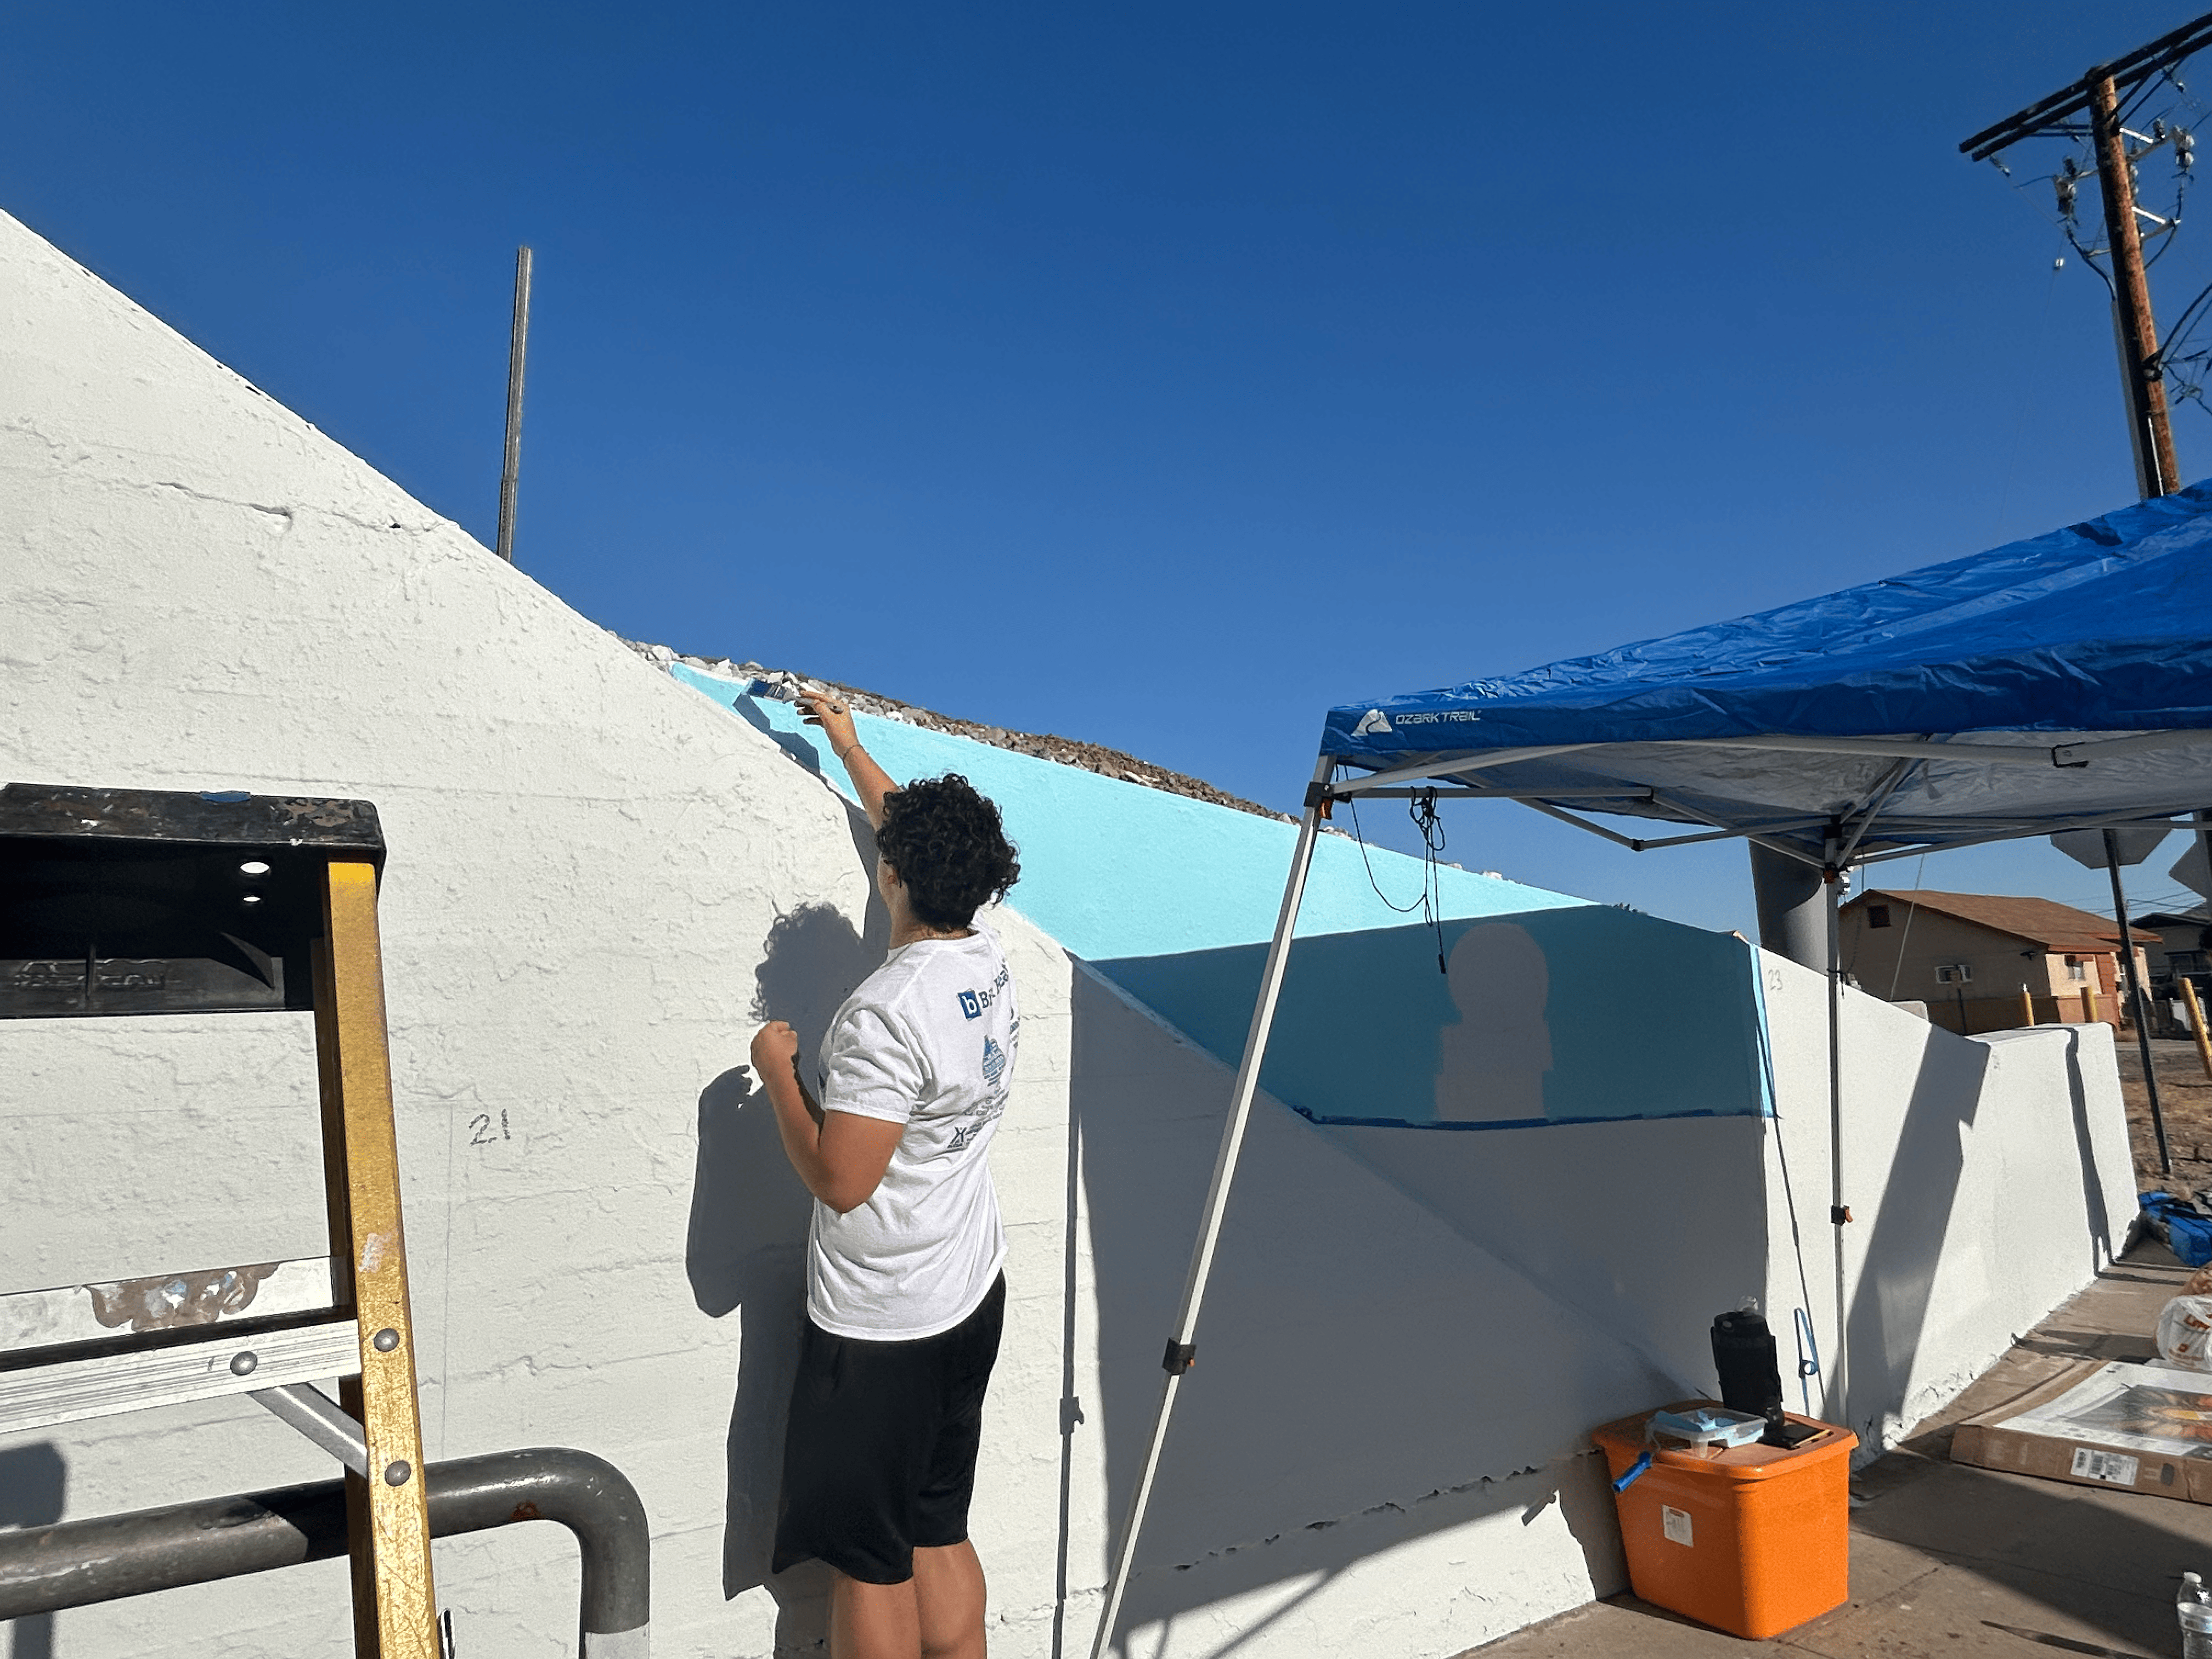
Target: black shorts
880 1457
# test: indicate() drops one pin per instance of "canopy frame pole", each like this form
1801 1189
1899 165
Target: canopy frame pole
1839 1214
1414 771
2131 816
1182 1348
1890 783
2136 1000
1636 846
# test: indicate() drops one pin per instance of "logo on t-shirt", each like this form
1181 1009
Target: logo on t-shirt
994 1061
973 1003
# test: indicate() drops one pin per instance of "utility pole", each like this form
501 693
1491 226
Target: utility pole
2097 94
2144 380
518 346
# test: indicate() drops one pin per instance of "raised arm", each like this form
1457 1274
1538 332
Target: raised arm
827 710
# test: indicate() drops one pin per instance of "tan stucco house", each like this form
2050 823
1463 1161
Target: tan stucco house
1970 956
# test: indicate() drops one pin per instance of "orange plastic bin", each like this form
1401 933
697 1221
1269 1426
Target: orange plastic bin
1753 1541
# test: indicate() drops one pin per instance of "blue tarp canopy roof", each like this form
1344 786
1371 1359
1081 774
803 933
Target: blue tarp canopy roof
2060 681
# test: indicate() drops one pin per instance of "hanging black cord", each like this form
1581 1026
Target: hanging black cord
1422 809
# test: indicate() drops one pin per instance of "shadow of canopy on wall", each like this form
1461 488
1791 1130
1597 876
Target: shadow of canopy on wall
2060 683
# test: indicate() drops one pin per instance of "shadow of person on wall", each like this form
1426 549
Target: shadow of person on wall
1492 1062
33 1481
1894 1283
796 747
745 1251
2103 1247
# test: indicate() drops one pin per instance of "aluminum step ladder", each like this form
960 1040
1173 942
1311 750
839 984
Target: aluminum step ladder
134 903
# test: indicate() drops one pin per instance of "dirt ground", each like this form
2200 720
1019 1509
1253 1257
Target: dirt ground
2185 1098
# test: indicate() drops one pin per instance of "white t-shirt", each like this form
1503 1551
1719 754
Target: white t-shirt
928 1041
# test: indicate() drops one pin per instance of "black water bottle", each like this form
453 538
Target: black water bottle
1743 1354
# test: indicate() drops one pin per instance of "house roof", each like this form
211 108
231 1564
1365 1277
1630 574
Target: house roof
2053 925
2197 918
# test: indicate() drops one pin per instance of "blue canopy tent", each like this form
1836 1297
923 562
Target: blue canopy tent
2051 684
2060 683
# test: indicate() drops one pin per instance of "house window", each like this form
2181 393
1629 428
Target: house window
1877 915
1954 972
2076 970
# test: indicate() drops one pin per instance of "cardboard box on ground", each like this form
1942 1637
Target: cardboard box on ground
2145 1428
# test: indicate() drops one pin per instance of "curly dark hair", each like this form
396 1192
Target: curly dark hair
949 849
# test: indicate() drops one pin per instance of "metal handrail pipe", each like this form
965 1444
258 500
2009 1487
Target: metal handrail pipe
75 1563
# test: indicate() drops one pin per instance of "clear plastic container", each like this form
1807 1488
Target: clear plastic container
1708 1425
2193 1605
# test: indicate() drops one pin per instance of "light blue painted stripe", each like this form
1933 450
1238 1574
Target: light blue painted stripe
1114 869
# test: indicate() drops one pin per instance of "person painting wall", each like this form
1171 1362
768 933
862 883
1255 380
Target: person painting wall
905 1297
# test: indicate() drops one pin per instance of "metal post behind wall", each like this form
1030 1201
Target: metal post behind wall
2138 1005
1182 1346
518 347
1792 907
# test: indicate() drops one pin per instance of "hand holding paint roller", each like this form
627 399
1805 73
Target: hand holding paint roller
829 711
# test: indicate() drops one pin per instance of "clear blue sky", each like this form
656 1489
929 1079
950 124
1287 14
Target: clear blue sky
1159 375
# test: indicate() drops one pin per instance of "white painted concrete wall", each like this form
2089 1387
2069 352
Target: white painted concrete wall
588 871
1989 1177
595 877
1383 1438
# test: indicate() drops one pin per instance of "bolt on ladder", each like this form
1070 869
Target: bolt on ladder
124 901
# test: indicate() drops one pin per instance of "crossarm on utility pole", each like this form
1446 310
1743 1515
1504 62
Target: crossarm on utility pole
2129 69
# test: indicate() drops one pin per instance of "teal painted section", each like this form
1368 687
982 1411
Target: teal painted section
1116 870
1563 1016
1552 1009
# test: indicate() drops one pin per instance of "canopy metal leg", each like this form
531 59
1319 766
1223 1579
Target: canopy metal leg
1839 1214
2137 1002
1182 1347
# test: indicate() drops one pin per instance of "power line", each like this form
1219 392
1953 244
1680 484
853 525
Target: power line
2046 118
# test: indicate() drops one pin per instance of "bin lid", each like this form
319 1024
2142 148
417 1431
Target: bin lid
1738 1463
